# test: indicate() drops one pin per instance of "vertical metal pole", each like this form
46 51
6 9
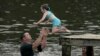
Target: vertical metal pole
66 50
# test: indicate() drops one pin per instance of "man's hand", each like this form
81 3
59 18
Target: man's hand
44 32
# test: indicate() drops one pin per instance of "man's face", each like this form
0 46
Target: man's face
27 37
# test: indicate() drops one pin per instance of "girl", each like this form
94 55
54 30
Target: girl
56 22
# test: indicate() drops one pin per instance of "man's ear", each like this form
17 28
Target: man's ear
24 38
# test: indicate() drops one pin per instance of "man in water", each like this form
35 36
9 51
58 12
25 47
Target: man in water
27 46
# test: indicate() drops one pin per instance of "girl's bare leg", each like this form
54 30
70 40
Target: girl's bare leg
55 30
43 35
62 29
44 38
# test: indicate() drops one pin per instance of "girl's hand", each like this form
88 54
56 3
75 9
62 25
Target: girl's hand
35 24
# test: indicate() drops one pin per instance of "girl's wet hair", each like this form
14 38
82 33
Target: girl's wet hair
45 6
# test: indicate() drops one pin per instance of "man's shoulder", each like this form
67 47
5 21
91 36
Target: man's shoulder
26 45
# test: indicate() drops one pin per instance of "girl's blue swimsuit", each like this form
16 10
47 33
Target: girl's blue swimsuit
55 21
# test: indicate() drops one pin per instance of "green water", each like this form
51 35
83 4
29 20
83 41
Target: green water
17 16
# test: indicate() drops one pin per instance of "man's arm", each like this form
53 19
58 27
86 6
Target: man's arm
37 42
43 34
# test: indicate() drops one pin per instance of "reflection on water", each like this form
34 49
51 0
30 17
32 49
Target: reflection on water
10 43
10 37
9 49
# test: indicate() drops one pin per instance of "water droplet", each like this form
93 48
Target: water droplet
7 11
26 29
31 20
88 23
64 20
85 7
18 24
24 17
35 11
14 20
3 29
23 4
81 27
66 11
88 11
1 19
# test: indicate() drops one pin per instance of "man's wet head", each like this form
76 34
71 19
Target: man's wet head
26 37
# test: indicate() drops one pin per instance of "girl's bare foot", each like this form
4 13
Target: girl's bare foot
64 29
44 31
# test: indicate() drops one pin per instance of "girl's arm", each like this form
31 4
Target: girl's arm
43 17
